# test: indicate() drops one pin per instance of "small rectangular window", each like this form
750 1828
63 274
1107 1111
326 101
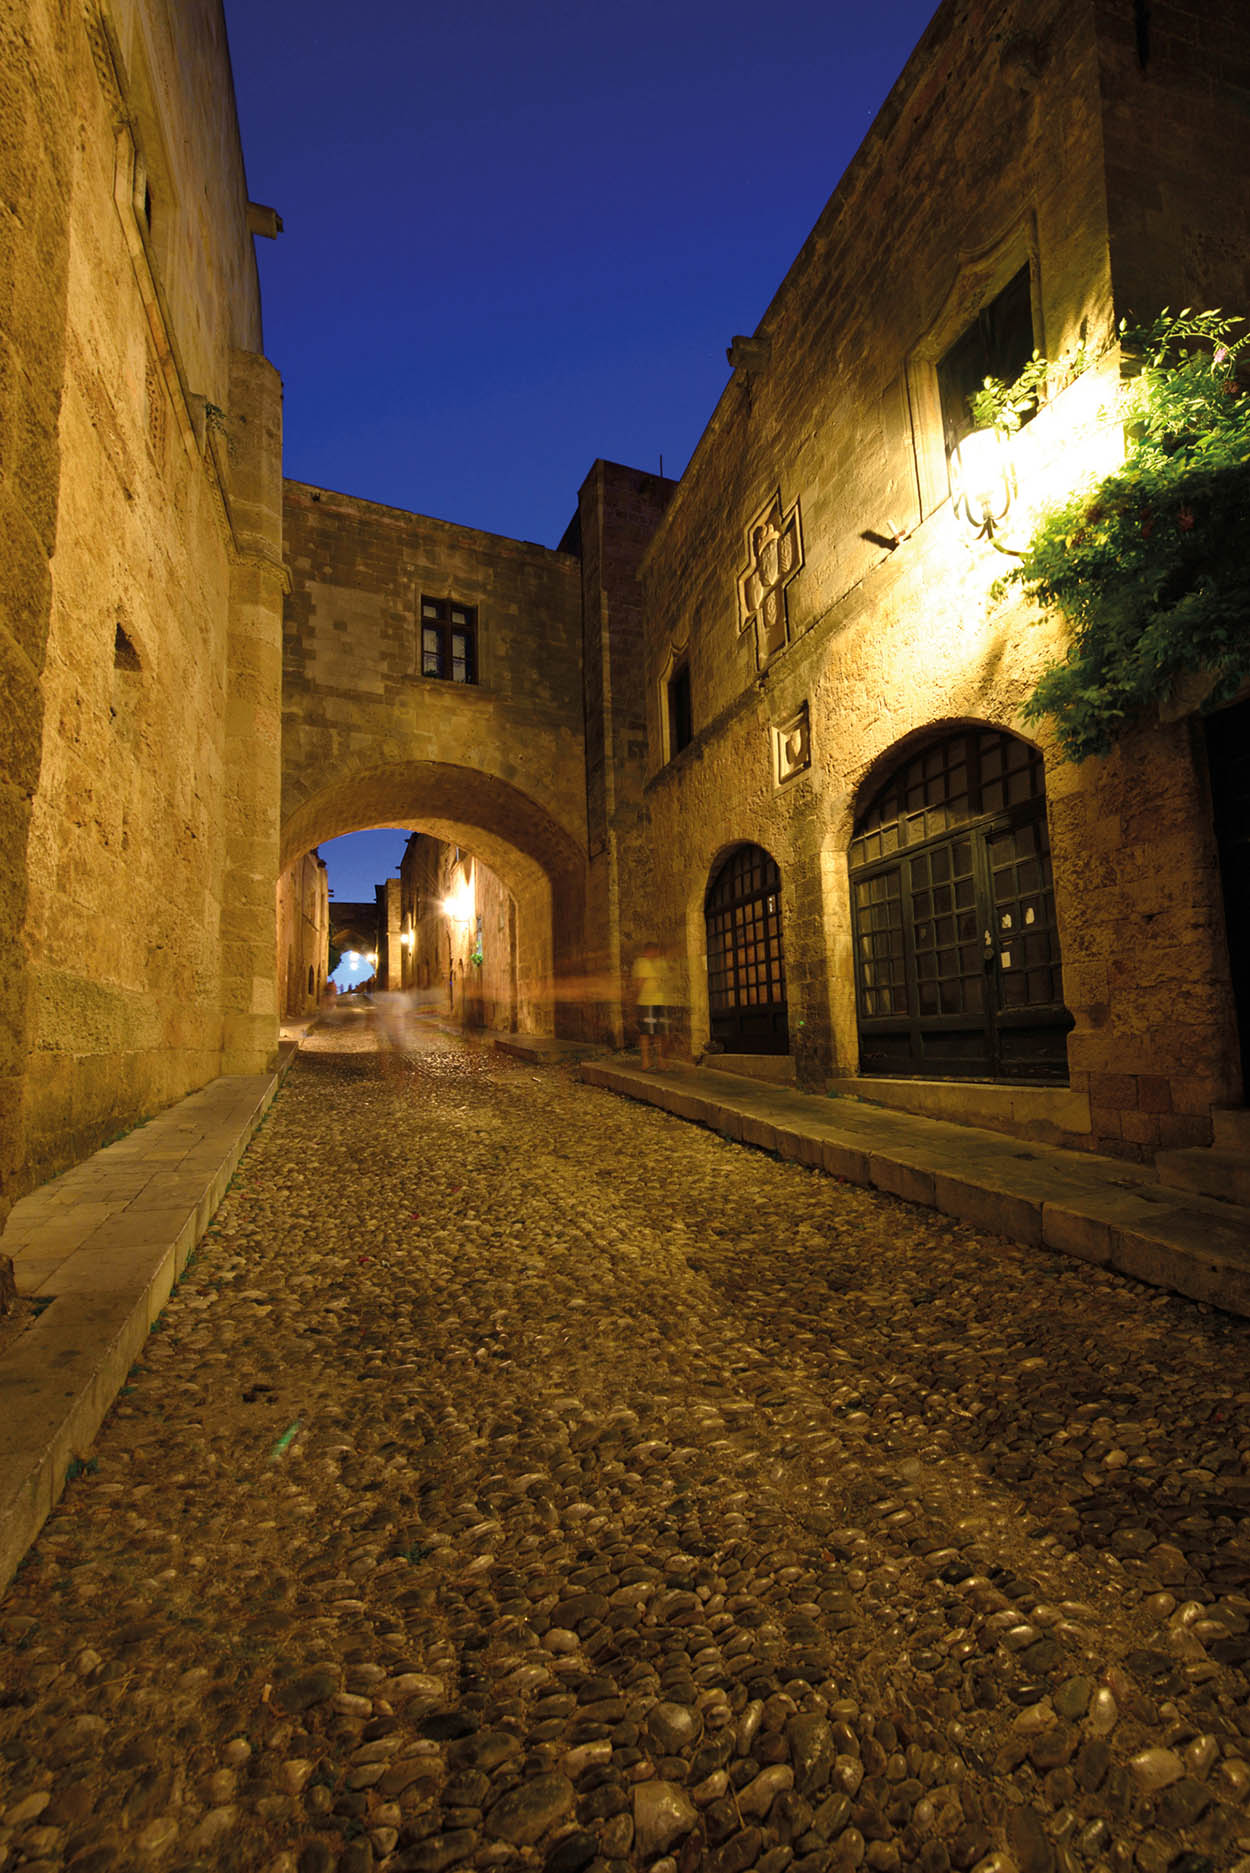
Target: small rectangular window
448 641
680 718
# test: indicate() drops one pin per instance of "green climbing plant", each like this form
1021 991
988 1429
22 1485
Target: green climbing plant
1150 567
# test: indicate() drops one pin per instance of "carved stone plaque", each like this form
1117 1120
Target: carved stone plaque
774 555
792 746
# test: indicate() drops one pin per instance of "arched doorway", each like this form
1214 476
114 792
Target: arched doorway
746 979
957 968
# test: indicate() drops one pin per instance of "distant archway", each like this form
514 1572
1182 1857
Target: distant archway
541 865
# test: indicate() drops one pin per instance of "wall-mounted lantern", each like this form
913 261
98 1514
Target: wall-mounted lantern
984 484
460 904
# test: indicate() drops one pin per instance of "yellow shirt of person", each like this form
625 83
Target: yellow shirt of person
656 982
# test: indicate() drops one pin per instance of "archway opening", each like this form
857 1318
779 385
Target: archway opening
746 976
527 875
957 964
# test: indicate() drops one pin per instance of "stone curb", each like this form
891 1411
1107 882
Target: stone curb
1114 1214
103 1245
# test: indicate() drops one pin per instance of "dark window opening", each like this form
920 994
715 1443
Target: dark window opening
312 980
147 206
448 640
680 719
998 343
125 656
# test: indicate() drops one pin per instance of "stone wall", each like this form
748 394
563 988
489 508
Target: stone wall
154 634
1173 84
461 965
618 511
495 766
42 49
303 936
988 156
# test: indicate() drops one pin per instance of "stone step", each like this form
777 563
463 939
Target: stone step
776 1069
1232 1128
1209 1169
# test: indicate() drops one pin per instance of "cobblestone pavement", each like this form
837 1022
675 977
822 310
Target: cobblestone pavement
523 1478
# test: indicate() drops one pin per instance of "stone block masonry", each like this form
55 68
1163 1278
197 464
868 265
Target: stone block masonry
134 802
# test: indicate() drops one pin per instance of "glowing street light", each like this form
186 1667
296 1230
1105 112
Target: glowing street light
460 905
984 483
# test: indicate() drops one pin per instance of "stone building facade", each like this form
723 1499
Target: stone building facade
458 936
864 857
303 936
770 716
141 556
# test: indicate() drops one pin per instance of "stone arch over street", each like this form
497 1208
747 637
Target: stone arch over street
486 752
537 860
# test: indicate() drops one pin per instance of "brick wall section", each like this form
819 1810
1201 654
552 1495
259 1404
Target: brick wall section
988 152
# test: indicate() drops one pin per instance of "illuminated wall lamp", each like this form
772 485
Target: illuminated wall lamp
460 905
984 484
407 939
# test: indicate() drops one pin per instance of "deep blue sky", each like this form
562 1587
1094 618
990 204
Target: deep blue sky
520 236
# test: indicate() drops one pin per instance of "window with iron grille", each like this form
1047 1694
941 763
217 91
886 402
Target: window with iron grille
745 966
449 640
956 942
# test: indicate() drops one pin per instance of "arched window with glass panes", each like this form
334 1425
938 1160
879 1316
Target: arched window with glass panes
746 977
957 965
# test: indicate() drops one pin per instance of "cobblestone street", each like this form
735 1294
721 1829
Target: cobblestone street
525 1478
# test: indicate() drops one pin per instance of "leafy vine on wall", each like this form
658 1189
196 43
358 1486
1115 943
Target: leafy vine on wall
1150 567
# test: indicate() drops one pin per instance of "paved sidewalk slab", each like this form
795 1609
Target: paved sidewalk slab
102 1246
1098 1209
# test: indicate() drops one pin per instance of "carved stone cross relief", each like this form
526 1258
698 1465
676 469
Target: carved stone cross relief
774 555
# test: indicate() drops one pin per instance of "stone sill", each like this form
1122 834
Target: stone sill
484 692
